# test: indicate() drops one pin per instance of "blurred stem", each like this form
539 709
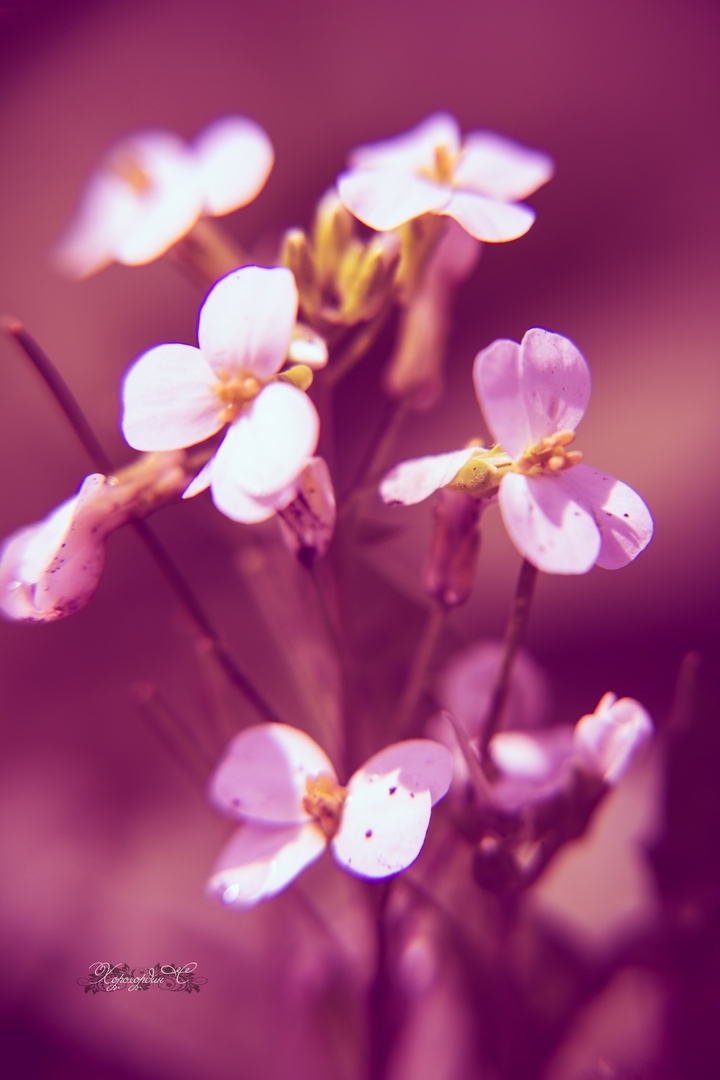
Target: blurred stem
379 998
206 253
184 594
361 343
513 635
372 465
417 676
176 736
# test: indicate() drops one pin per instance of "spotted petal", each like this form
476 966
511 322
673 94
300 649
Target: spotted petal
264 772
268 445
234 157
488 219
531 390
548 526
624 521
386 199
500 168
412 481
247 320
259 861
169 401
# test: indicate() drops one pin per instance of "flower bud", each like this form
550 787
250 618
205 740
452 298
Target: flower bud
450 570
308 521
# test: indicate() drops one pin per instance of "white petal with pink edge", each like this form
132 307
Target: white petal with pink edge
487 219
247 319
412 151
264 772
386 199
260 861
169 401
606 742
625 523
412 481
234 157
550 528
500 168
268 445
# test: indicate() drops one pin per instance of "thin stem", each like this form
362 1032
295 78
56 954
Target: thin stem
172 731
81 426
513 635
417 676
379 1018
360 344
373 463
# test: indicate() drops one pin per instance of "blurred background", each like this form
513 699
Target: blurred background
105 845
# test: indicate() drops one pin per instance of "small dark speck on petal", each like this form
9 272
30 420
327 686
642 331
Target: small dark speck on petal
412 794
368 834
392 790
626 515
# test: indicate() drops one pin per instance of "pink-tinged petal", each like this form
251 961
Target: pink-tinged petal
234 157
454 258
531 390
108 209
201 482
237 505
169 401
414 150
412 481
550 528
169 196
533 767
500 168
269 444
605 742
264 772
487 219
259 861
468 682
386 199
423 764
383 825
624 521
247 320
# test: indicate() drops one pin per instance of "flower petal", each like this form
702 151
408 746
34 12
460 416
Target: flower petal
268 445
533 767
383 825
423 763
386 199
264 772
488 219
531 390
606 741
624 521
259 861
237 505
247 320
550 528
108 209
412 151
500 168
412 481
201 482
234 157
169 401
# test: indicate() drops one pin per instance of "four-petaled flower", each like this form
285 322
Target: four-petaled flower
429 170
176 395
279 782
152 187
562 516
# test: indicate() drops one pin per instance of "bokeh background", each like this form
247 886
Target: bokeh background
105 844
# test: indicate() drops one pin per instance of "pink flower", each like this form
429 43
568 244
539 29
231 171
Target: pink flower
562 516
606 741
429 171
152 187
176 395
279 782
51 569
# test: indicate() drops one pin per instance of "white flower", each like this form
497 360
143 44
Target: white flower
606 741
152 187
429 170
279 782
176 395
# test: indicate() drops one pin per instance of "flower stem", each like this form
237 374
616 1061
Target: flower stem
360 344
417 676
184 594
513 635
379 1015
373 463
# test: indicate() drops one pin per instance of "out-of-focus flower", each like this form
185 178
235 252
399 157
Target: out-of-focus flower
279 782
152 187
308 522
562 516
606 741
176 395
429 170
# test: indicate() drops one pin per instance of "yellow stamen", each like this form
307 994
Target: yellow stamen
237 390
127 168
324 802
549 455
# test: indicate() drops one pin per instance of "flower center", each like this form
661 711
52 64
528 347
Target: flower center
444 166
549 455
481 475
235 391
324 800
126 167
